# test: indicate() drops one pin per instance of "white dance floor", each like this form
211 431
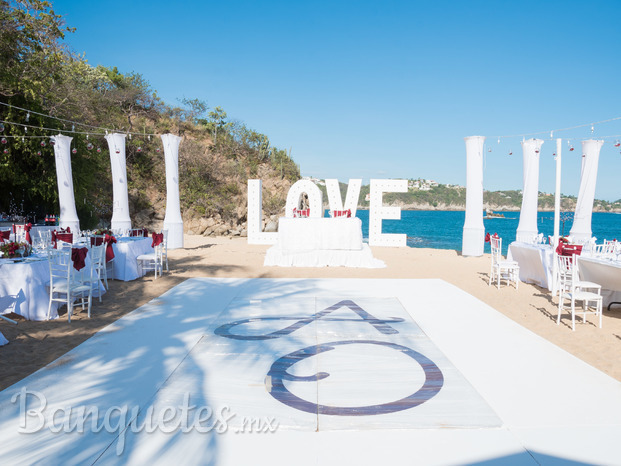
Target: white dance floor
282 372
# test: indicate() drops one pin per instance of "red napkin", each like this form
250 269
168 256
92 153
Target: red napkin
109 240
157 239
27 227
77 256
145 233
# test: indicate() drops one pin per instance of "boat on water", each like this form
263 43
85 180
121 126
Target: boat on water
492 214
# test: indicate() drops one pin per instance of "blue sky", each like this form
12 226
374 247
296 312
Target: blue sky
389 89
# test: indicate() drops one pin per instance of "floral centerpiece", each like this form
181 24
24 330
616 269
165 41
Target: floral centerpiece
103 231
14 249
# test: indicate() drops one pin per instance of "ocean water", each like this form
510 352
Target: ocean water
443 229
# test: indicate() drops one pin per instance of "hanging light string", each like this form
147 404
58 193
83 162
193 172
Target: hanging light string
551 132
102 129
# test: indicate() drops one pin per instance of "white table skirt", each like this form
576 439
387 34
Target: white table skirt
24 289
126 250
323 258
603 272
535 261
312 234
320 242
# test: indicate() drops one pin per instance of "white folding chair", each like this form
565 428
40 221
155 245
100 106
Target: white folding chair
154 260
502 269
570 289
165 250
66 285
564 278
97 255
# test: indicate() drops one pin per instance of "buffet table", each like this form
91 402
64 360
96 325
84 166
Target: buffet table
320 242
126 250
536 262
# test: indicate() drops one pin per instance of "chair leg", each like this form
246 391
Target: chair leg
560 309
573 314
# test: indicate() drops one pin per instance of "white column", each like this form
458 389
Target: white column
335 200
172 220
120 201
255 216
378 211
66 196
581 228
527 228
473 239
557 212
315 198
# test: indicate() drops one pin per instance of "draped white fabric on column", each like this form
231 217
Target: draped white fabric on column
473 239
120 202
66 196
172 221
527 228
581 228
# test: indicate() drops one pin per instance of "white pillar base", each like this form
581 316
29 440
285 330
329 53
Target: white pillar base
473 242
121 224
175 234
73 224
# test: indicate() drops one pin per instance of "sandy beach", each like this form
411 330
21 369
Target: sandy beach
36 344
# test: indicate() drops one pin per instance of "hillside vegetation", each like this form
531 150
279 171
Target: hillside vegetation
65 94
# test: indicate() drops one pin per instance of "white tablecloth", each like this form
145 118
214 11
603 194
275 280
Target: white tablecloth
23 288
535 261
320 242
603 272
126 250
311 234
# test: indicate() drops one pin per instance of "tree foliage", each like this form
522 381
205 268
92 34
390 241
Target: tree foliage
41 74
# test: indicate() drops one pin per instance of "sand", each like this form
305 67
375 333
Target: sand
36 344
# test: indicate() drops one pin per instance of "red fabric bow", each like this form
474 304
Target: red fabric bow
5 235
54 239
109 240
77 256
568 249
488 237
157 239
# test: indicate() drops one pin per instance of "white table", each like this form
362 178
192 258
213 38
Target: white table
535 261
126 250
24 287
320 242
604 272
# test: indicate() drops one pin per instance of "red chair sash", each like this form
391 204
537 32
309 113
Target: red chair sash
341 213
5 235
109 240
301 213
157 239
78 255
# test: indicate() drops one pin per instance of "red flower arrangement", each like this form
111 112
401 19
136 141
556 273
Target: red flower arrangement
10 249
